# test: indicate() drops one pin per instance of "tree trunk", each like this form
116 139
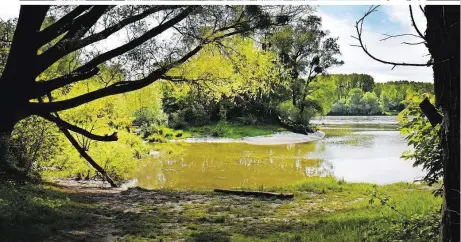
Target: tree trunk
443 43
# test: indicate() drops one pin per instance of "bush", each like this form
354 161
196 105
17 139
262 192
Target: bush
33 142
289 113
340 107
250 119
146 117
424 138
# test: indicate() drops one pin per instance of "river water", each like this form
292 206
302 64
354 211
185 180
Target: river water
356 149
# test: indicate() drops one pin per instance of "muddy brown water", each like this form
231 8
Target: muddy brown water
356 149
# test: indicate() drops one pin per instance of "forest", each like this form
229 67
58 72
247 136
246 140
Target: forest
74 109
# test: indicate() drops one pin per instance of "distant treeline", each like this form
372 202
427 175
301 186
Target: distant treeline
358 94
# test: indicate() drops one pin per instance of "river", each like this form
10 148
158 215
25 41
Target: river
355 149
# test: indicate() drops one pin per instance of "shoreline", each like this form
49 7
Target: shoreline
280 138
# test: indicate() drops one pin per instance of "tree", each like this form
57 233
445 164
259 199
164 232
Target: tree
355 101
370 103
145 57
307 51
442 40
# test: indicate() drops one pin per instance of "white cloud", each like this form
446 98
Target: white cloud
401 15
9 9
356 61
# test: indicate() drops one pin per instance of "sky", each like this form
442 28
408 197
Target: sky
389 19
340 21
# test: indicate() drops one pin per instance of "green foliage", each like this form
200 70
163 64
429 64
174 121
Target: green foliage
232 130
391 96
340 107
370 103
6 35
414 227
33 142
354 100
232 80
288 112
424 139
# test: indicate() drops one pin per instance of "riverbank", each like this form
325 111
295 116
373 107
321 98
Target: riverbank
232 130
323 209
270 139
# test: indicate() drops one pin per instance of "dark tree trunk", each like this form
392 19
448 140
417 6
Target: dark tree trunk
443 43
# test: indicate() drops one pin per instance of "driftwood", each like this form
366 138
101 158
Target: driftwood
256 193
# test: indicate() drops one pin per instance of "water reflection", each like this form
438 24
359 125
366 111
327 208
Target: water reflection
356 153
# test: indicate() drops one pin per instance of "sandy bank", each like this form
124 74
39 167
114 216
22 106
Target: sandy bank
275 139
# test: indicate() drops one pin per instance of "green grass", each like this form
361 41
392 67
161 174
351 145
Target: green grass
323 209
232 130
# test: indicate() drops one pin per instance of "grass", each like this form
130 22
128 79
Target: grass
232 130
323 209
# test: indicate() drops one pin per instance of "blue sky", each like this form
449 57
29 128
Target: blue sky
340 21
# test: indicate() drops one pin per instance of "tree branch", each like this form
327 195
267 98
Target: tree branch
65 125
44 87
78 44
66 45
129 46
397 35
87 157
116 88
59 27
414 24
359 27
418 43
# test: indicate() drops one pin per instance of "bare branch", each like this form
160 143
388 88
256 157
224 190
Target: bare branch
63 124
397 35
359 26
422 10
418 43
414 24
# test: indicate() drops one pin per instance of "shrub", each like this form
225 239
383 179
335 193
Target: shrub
424 138
340 107
289 113
33 142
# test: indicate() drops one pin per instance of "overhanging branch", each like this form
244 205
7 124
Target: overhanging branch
44 87
63 124
87 157
76 44
61 26
67 44
92 64
116 88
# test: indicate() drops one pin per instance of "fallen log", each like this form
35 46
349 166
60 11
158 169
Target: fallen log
256 193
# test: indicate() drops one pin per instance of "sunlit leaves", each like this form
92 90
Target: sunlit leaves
424 139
